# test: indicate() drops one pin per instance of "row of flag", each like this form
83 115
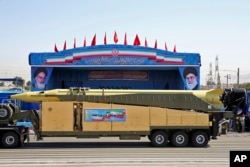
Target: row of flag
93 42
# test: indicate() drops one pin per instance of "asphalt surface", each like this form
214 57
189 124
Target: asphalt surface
54 151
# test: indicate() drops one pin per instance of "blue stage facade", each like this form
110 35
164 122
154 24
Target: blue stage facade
114 66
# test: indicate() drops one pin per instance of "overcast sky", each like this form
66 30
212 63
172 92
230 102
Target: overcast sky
209 27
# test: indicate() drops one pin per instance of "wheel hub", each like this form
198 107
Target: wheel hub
159 139
180 139
200 139
9 140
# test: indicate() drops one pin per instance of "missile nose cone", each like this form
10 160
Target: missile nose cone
21 97
37 96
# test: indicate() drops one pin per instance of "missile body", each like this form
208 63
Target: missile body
203 100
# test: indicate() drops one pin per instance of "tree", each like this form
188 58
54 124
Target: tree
28 83
19 82
28 86
245 85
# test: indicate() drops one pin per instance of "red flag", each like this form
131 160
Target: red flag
155 44
137 41
125 39
64 46
166 48
93 41
105 39
55 48
115 37
74 43
84 42
146 42
174 48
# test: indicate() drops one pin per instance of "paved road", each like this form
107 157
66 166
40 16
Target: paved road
113 152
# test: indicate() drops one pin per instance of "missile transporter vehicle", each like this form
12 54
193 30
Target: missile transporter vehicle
176 117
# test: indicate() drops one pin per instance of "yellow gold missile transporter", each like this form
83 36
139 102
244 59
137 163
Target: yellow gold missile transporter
164 116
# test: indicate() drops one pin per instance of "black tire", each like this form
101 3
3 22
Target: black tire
25 137
10 140
179 139
5 112
199 139
159 139
149 137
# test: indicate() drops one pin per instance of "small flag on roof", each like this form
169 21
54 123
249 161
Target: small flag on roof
55 48
125 39
174 48
155 44
105 39
93 41
137 41
64 46
115 37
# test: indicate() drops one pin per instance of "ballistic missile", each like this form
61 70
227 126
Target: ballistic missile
203 100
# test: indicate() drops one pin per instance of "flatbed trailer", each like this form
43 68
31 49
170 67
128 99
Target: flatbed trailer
166 117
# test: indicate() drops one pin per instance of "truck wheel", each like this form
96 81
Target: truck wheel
5 112
179 139
199 139
10 140
149 137
159 139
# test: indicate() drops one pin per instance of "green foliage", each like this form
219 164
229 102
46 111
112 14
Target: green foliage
27 87
28 83
19 82
245 85
242 85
